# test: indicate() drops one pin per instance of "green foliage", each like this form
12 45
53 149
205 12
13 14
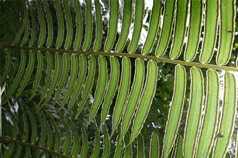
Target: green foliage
81 79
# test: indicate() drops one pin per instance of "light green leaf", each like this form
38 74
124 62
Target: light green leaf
210 119
227 118
146 99
112 30
175 111
194 112
122 95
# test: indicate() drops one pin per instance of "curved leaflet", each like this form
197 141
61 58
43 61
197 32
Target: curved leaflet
194 30
100 88
98 40
125 26
96 149
122 93
112 30
69 25
111 88
80 80
154 145
88 84
72 79
210 31
226 31
106 142
210 119
64 76
166 28
154 25
175 111
194 112
227 118
179 29
134 96
146 99
89 26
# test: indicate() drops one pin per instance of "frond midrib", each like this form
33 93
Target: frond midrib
144 57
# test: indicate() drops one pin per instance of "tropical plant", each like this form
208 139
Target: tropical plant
70 75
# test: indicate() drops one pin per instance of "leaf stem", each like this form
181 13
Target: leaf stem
7 140
145 57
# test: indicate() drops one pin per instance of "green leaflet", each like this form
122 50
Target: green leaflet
9 152
33 125
19 34
50 25
27 75
17 79
125 26
209 122
69 25
210 31
25 125
61 27
7 67
139 13
78 19
154 25
101 87
112 30
134 96
227 119
27 152
49 135
64 76
57 137
75 138
33 29
128 149
179 29
42 34
27 28
76 146
167 28
194 112
67 142
80 80
194 30
175 111
96 149
38 74
154 145
42 139
88 84
84 149
72 78
179 152
18 151
49 59
111 88
57 73
89 26
119 148
98 41
146 99
106 142
226 31
140 146
122 93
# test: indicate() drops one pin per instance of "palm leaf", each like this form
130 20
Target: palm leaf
49 51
